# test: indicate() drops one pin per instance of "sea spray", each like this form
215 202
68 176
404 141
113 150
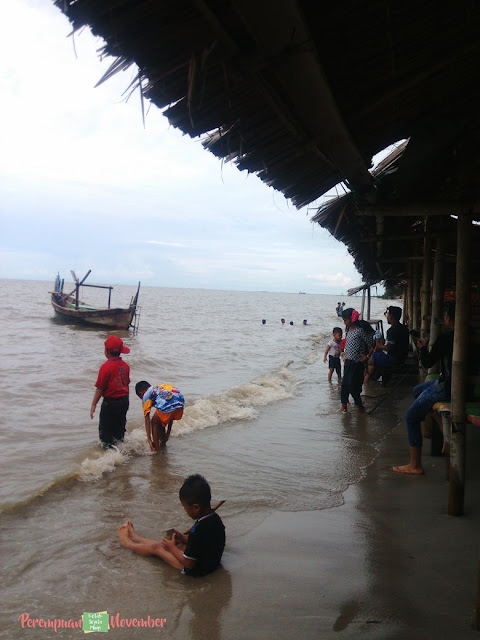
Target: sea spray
92 468
238 403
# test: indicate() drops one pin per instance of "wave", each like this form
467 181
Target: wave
238 403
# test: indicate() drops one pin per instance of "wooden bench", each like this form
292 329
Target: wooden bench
472 410
408 366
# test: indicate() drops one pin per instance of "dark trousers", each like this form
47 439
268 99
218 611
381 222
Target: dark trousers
352 382
113 418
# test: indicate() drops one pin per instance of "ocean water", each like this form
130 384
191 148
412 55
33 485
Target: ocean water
261 423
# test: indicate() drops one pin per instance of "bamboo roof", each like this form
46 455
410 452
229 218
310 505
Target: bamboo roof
304 94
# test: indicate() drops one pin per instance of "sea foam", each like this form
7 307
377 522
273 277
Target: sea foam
238 403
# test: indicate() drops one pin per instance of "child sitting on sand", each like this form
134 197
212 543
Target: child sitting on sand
333 351
197 552
168 403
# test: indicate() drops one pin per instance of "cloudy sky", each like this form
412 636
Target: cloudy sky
85 186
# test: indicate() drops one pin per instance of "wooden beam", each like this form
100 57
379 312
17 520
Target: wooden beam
416 210
426 281
459 368
437 292
405 236
284 39
416 295
415 259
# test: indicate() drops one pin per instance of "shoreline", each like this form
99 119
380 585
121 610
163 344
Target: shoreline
389 563
380 559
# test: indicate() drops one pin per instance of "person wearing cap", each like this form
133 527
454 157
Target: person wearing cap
113 385
392 351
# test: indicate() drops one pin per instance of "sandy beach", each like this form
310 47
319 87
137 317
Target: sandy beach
323 539
389 563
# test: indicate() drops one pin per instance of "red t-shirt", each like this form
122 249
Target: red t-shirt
114 378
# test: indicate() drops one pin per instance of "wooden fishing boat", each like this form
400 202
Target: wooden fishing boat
70 307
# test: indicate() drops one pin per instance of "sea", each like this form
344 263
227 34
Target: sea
261 423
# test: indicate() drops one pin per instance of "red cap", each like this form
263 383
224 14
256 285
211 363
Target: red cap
112 343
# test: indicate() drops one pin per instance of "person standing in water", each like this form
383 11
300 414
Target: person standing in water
113 385
358 344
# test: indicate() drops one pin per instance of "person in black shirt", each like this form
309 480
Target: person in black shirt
428 393
197 552
395 349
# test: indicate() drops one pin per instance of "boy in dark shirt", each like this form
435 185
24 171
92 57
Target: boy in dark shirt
394 350
112 383
197 552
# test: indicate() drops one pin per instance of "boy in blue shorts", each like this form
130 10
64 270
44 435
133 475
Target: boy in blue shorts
196 553
333 351
168 403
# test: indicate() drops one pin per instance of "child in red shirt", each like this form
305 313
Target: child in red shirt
112 384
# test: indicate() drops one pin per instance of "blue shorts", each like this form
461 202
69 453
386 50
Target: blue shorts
381 360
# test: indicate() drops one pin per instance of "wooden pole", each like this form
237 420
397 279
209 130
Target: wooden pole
437 292
410 295
415 292
426 282
369 302
459 367
363 305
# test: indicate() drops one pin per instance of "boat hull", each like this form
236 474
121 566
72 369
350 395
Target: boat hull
113 318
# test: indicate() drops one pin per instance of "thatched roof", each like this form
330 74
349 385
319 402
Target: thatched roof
305 93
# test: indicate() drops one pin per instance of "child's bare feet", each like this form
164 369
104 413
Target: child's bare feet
123 535
409 469
131 531
343 408
360 409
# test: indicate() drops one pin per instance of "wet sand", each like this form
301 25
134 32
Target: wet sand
389 563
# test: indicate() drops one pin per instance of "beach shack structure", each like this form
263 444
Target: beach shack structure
304 94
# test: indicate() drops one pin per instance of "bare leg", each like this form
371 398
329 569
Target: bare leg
343 408
414 467
168 431
133 535
147 548
158 434
330 373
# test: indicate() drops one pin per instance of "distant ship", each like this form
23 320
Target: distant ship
303 292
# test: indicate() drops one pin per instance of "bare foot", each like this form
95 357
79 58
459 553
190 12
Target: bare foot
360 409
343 409
408 468
131 531
123 535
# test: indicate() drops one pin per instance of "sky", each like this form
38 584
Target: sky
84 185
